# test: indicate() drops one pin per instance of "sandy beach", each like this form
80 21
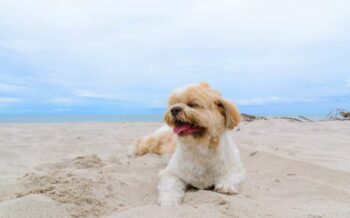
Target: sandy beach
295 169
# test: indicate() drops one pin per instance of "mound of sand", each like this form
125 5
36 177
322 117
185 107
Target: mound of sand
34 205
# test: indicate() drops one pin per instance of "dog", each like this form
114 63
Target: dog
199 137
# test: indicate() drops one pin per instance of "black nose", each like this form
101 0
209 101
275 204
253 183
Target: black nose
175 111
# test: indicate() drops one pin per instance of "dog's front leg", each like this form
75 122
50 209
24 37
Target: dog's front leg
171 189
227 184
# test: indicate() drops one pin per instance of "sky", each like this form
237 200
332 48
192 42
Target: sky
124 57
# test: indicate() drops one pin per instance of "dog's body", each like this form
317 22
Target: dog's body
205 155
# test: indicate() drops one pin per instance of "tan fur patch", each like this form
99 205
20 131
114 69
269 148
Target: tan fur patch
159 144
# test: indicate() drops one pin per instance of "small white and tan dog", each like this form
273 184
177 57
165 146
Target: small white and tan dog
199 134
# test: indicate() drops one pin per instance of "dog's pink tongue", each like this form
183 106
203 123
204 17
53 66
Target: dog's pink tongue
183 129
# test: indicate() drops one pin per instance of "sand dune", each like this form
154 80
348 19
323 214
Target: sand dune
81 170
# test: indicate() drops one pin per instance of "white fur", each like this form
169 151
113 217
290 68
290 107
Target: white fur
202 167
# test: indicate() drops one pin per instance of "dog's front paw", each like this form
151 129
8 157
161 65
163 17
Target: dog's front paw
168 202
226 189
132 150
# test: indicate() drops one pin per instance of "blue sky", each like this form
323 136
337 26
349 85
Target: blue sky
124 57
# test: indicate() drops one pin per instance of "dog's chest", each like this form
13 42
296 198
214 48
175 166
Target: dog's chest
200 168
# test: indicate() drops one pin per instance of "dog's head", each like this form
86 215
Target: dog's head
199 114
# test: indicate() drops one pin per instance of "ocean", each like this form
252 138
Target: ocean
79 118
104 118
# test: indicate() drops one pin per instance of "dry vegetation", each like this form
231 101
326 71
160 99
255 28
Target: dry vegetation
337 114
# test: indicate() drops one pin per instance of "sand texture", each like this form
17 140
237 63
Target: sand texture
82 170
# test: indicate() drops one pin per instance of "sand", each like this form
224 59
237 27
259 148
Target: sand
82 170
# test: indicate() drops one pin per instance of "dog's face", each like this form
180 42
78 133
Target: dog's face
199 115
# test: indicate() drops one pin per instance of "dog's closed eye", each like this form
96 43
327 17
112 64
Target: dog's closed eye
193 105
219 104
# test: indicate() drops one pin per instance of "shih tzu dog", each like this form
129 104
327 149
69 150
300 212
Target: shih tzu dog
199 134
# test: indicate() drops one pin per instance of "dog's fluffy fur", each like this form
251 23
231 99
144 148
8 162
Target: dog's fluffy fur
204 154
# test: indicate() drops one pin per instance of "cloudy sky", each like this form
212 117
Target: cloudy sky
124 57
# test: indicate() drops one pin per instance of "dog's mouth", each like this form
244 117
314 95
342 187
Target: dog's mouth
185 128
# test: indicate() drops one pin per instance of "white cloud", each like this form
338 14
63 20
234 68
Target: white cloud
63 100
122 28
61 109
11 88
23 46
139 50
157 104
90 94
271 100
8 100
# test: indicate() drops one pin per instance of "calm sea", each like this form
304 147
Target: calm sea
99 118
79 118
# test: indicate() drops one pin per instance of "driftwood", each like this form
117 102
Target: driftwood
291 119
345 114
305 118
338 114
250 118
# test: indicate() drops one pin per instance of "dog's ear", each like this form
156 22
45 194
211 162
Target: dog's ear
167 118
231 113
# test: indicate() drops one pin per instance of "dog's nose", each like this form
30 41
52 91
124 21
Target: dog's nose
175 110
